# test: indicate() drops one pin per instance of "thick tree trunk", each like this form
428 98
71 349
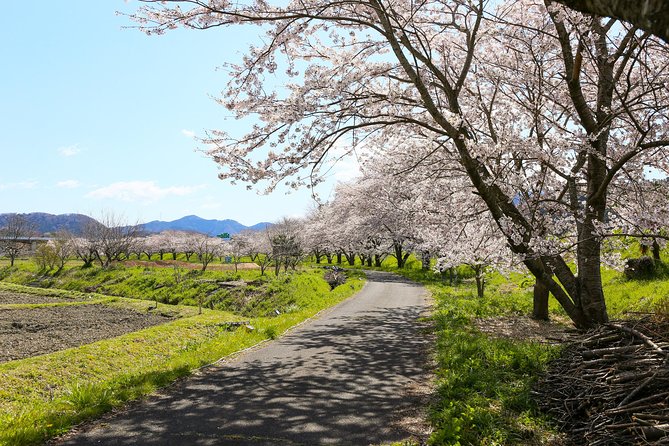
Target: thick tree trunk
339 258
401 258
540 301
378 260
591 296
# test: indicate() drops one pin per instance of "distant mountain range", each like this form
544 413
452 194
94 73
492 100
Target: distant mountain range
197 224
75 223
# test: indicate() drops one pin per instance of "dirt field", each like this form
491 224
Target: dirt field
10 297
37 331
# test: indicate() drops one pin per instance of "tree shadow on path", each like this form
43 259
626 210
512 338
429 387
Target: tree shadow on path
342 380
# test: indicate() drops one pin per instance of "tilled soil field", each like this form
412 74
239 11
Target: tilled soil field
37 331
11 297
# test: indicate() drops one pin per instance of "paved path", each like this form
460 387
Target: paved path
342 379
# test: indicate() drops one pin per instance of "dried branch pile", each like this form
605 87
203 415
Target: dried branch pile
612 386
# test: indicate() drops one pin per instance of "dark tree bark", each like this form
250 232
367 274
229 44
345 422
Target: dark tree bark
648 15
540 301
656 250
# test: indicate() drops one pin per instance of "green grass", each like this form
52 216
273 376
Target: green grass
262 295
44 396
484 383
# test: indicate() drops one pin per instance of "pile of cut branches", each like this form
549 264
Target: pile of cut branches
611 387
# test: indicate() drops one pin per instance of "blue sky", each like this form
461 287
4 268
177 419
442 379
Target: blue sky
96 118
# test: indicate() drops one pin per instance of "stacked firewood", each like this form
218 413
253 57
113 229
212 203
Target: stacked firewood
611 387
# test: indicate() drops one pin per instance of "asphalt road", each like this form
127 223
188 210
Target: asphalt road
343 378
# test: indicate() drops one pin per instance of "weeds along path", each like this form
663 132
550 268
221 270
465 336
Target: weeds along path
348 377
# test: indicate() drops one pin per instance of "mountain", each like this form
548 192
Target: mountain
75 223
48 223
197 224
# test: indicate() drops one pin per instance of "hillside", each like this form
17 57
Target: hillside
197 224
75 223
49 223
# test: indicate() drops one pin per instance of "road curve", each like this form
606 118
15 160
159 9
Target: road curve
341 378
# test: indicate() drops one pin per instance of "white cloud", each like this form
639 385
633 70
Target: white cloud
142 191
189 133
69 150
20 185
68 184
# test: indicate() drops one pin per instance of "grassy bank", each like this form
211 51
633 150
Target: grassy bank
260 295
44 396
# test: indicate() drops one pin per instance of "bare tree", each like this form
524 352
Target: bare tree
206 248
110 239
15 236
54 253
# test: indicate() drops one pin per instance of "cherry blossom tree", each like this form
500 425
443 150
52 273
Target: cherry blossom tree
83 249
548 112
480 247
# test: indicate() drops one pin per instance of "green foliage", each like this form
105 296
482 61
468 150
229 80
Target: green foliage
484 383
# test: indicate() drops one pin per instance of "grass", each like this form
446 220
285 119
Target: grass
261 296
484 383
44 396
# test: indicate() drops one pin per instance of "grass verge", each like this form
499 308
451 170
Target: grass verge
44 396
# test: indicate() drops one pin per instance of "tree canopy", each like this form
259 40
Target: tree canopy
543 116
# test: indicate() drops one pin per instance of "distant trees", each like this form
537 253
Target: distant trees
206 248
15 237
54 253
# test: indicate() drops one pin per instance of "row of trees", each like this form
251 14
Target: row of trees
546 119
112 240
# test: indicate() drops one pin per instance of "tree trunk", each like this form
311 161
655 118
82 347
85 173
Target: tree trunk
480 280
540 301
398 254
480 284
656 250
591 295
425 259
339 256
378 260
